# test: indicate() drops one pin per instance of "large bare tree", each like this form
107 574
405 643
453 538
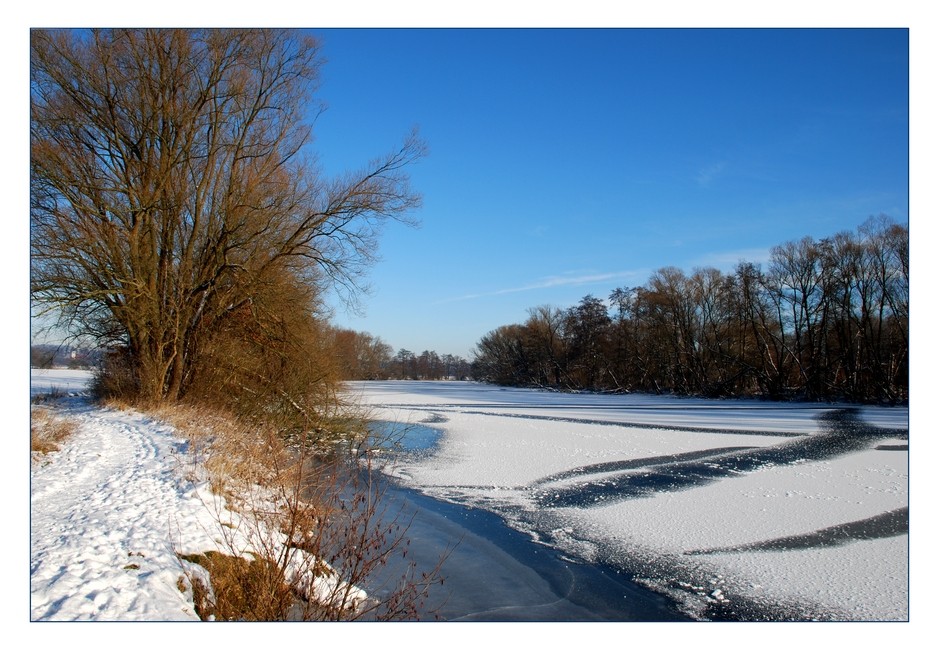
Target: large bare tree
172 186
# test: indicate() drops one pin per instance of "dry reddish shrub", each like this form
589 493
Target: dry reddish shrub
242 589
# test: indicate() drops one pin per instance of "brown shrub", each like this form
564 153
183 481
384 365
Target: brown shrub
243 589
309 514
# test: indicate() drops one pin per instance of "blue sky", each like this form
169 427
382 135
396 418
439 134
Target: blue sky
567 162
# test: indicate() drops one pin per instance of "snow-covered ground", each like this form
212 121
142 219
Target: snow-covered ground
113 508
110 511
58 381
735 508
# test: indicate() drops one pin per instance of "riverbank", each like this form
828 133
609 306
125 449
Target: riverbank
115 506
96 581
186 515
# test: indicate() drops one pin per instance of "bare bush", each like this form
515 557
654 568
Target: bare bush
310 533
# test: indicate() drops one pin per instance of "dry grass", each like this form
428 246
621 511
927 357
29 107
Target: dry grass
302 530
242 590
47 431
236 455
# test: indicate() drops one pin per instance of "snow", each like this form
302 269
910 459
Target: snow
790 535
110 511
44 381
114 508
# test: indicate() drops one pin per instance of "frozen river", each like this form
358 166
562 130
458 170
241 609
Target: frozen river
495 573
733 509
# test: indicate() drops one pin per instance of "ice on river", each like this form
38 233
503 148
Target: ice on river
736 508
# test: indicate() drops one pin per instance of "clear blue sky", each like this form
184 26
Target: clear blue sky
571 162
567 162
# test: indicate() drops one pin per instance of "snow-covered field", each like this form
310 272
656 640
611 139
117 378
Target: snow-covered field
737 509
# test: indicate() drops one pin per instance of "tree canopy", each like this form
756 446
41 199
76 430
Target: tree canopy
176 208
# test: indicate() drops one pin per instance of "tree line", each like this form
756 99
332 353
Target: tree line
826 319
361 355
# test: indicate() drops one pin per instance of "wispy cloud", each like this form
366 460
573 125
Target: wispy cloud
540 231
707 175
727 260
564 280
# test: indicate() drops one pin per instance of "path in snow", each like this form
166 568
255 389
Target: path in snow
105 522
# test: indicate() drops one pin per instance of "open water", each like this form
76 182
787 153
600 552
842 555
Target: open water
492 572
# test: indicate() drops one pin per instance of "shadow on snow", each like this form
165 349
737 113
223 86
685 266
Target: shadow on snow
842 432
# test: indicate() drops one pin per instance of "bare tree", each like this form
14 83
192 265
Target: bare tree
361 355
586 329
798 280
172 187
545 328
828 319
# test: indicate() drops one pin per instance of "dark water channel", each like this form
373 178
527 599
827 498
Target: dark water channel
494 573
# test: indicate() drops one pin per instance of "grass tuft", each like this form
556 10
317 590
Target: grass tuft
48 431
244 590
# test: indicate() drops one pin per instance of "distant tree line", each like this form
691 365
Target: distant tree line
428 365
61 356
361 355
826 319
